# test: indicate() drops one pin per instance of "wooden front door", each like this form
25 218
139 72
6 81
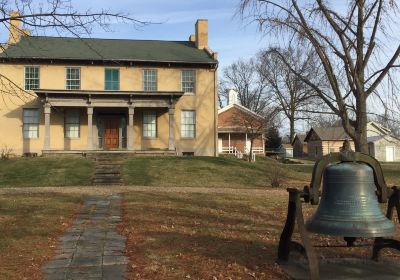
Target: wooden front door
111 132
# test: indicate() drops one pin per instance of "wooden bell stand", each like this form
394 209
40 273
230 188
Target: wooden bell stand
311 195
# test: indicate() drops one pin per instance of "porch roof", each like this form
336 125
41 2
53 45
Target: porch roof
234 129
105 98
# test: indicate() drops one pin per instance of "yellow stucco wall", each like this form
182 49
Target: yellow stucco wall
92 78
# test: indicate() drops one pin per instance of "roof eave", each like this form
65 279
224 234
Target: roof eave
8 58
70 93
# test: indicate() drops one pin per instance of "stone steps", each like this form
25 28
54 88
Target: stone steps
108 170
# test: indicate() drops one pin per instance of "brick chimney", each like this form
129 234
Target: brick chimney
201 33
15 31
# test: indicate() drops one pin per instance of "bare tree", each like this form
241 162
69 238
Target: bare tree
294 97
324 120
57 16
350 46
245 78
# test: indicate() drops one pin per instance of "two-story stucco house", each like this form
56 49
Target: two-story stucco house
76 95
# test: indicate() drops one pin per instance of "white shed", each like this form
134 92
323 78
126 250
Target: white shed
286 150
384 148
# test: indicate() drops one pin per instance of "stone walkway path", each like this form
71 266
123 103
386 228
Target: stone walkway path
91 248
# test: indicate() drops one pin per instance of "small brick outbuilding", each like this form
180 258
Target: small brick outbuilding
233 135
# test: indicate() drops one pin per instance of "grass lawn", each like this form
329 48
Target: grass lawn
213 236
50 171
221 172
391 172
29 226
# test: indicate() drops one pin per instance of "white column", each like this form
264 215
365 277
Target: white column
229 141
263 143
90 128
245 144
129 129
47 111
171 141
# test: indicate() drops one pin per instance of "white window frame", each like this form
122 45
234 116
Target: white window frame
74 123
152 132
27 132
119 78
188 130
151 85
26 87
194 81
68 87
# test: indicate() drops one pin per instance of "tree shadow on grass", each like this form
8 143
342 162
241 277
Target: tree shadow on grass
200 253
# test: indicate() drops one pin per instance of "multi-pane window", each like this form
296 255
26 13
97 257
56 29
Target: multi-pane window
150 80
188 124
73 78
31 77
149 124
111 79
71 123
188 81
31 123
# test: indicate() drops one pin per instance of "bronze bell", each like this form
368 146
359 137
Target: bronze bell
349 204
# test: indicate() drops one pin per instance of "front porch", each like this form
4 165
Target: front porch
233 141
113 122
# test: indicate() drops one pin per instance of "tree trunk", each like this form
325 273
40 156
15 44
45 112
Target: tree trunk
251 148
291 120
360 139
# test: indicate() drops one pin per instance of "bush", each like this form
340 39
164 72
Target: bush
5 153
276 176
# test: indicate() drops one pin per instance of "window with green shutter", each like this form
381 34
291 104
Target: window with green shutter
111 79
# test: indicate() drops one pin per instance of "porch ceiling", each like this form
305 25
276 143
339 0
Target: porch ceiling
89 98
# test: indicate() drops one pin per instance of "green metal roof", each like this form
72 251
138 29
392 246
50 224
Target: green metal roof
65 48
